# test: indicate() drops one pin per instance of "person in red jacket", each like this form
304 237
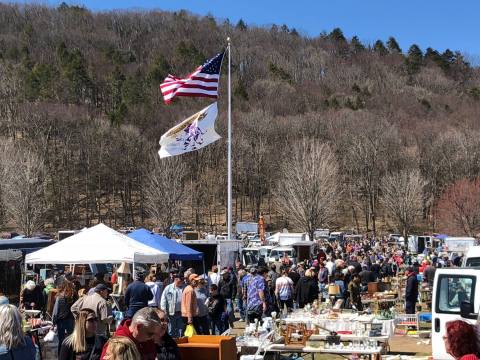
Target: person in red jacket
141 330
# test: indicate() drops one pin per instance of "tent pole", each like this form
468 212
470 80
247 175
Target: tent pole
133 268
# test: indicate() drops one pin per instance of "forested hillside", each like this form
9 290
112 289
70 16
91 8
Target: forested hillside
81 114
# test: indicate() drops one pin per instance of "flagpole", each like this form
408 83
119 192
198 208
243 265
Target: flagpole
229 150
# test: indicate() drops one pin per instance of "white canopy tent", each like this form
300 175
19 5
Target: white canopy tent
97 245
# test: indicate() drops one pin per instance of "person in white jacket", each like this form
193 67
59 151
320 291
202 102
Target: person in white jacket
156 288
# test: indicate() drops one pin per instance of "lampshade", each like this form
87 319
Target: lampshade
333 289
124 268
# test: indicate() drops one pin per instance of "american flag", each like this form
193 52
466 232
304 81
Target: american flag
203 82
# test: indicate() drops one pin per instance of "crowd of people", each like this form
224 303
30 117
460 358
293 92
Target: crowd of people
160 307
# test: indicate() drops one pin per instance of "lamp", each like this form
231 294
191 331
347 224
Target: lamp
124 268
333 291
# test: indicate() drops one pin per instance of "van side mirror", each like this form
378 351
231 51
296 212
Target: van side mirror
466 309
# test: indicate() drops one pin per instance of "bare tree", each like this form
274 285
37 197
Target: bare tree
23 177
402 197
307 190
163 191
459 207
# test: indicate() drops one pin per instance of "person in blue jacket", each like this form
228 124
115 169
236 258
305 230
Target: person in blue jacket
13 342
137 295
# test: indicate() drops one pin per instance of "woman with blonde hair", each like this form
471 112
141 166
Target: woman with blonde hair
121 348
83 343
13 342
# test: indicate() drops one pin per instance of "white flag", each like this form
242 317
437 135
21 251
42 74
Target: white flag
191 134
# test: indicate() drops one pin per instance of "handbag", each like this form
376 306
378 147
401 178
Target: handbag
50 337
190 330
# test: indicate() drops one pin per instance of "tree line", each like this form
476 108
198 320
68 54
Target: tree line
328 131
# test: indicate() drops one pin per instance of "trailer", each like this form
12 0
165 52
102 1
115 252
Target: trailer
216 252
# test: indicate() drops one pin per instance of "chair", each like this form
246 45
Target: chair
207 347
403 322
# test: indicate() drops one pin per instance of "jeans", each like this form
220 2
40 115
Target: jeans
231 316
241 308
288 303
323 290
410 307
64 328
202 325
176 325
254 312
218 325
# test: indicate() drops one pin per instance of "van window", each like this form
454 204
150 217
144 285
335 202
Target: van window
452 290
473 262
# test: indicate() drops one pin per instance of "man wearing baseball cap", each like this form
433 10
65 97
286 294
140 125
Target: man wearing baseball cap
98 303
171 303
189 301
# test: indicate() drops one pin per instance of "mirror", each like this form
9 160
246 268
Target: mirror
466 308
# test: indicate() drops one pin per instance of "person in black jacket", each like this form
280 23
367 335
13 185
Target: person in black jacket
137 295
216 307
411 291
227 287
62 315
366 276
167 348
292 274
31 297
307 289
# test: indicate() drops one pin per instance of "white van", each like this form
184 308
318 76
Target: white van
456 295
277 253
472 259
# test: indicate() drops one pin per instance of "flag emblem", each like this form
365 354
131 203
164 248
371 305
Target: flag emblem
192 134
203 82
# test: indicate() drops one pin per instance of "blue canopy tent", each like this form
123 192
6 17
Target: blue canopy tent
175 250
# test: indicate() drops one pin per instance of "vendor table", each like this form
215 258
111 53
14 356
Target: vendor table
373 353
345 322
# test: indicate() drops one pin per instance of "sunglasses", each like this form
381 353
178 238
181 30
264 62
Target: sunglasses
92 320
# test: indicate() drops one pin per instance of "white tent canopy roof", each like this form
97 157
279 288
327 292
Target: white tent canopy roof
97 245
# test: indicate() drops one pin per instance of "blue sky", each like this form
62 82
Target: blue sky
439 24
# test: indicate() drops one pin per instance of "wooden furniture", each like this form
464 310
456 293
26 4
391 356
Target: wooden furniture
297 334
207 347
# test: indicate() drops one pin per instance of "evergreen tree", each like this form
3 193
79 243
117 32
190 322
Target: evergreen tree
189 54
449 56
393 46
159 70
356 45
74 69
380 48
337 35
414 59
133 91
294 32
118 107
241 25
432 55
